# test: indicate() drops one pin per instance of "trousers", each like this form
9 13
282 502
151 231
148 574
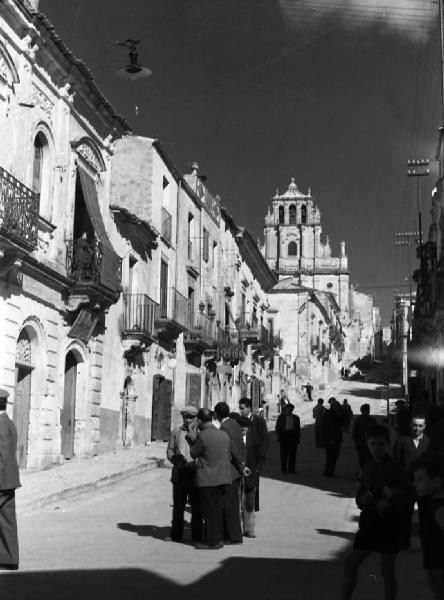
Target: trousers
211 504
332 450
231 512
9 548
183 490
288 456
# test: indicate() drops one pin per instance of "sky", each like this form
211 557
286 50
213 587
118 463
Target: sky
338 94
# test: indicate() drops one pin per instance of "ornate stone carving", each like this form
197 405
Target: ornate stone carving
90 156
5 71
38 98
23 350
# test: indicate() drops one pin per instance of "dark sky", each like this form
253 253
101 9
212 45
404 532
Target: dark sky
336 93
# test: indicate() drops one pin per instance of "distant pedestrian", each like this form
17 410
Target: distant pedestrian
264 410
332 425
259 427
429 485
288 431
231 515
383 494
347 414
308 388
183 477
361 426
318 415
9 482
211 449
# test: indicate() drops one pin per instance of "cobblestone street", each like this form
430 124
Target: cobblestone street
110 543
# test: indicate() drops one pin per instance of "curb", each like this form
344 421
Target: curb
30 505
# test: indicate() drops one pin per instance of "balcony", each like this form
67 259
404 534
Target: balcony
19 213
249 329
167 226
228 344
201 335
139 317
95 270
173 316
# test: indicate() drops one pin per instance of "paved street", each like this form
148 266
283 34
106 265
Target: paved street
110 544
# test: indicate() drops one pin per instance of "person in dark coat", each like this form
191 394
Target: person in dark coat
9 482
348 415
232 523
251 478
212 450
259 426
318 416
183 478
333 426
361 425
288 432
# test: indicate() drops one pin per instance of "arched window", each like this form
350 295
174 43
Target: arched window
303 214
292 249
281 214
40 148
292 211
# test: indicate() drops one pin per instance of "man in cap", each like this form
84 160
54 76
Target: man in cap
211 448
288 432
183 478
250 481
9 481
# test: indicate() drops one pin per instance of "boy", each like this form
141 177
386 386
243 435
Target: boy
384 496
429 484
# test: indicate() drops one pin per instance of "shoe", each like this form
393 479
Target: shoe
199 546
250 535
232 542
9 566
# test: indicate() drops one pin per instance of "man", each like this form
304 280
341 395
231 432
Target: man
232 524
362 424
259 427
9 482
211 449
251 478
288 431
183 479
308 388
333 425
347 414
318 416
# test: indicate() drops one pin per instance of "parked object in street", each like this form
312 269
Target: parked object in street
429 485
9 482
384 495
288 432
183 479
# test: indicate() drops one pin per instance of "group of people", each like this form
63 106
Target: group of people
217 459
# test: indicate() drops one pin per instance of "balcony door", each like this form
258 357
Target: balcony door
22 395
67 416
163 288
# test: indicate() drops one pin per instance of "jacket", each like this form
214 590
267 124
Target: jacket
9 472
212 451
288 435
252 459
178 453
235 434
259 426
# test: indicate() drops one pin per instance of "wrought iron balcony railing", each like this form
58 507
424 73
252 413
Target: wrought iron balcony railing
202 329
140 315
167 225
87 261
19 211
174 306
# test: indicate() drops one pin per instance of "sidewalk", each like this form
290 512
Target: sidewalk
81 475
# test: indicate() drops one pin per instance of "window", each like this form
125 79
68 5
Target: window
303 214
37 170
214 254
292 249
190 236
166 191
281 214
205 245
292 211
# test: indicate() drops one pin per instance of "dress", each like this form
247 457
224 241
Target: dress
433 538
384 532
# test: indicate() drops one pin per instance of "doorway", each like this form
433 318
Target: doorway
67 417
22 395
161 415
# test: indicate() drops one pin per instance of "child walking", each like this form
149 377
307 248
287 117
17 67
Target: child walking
383 495
429 484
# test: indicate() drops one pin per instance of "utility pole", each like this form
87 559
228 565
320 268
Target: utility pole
418 168
407 238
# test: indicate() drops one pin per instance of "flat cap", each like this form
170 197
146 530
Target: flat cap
4 393
189 409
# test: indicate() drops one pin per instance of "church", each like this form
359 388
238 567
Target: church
312 294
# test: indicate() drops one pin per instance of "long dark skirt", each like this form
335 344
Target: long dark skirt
9 548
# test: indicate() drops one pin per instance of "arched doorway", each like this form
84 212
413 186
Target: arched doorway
67 417
162 405
22 394
127 413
